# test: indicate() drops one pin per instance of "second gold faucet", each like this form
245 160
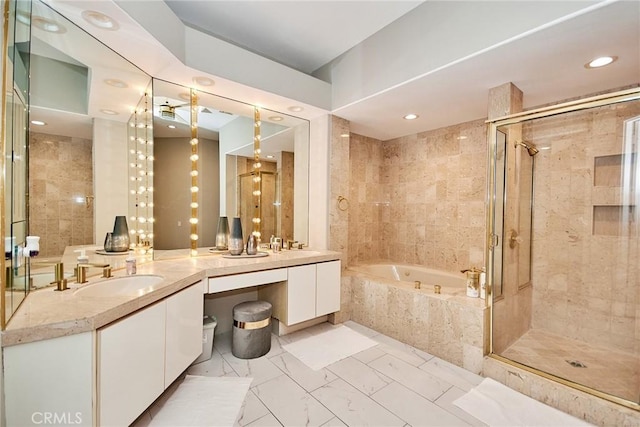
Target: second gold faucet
81 271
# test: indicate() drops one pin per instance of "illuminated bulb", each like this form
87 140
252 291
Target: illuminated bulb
194 205
132 151
194 252
151 220
133 178
256 233
151 235
143 204
150 173
142 189
141 156
194 173
194 237
150 189
257 165
133 218
151 204
133 191
194 189
142 173
141 231
194 141
256 220
257 151
142 220
194 157
133 165
256 179
193 220
143 236
151 158
256 193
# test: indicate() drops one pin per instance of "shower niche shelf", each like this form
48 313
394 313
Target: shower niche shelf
608 171
614 220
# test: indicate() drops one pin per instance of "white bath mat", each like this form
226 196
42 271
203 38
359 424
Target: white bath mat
497 405
325 348
203 401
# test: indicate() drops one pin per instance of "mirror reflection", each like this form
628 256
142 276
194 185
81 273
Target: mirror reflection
225 134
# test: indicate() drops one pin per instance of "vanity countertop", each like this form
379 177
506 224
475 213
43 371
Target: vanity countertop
46 313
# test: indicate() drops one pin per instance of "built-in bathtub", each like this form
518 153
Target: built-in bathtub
448 325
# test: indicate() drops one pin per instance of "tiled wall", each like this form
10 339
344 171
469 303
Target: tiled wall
60 180
419 199
585 275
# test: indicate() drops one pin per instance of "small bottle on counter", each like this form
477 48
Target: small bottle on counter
131 266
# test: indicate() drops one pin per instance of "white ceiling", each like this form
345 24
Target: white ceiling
546 62
303 35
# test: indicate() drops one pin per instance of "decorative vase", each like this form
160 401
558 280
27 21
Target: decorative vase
108 242
222 236
252 245
236 242
120 235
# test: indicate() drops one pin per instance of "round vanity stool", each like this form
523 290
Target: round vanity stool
251 329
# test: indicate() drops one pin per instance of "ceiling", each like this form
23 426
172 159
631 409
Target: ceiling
300 34
546 62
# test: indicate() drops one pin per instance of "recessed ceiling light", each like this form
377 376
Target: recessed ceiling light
276 118
38 123
171 126
47 25
185 96
116 83
601 61
271 156
461 137
296 108
100 20
344 135
109 112
203 81
411 116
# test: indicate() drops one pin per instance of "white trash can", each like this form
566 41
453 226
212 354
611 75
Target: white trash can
208 328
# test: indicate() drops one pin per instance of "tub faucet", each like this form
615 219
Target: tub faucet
81 271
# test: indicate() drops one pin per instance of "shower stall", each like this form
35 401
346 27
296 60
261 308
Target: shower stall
564 244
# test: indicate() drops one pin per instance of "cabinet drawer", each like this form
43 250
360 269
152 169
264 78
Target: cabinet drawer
245 280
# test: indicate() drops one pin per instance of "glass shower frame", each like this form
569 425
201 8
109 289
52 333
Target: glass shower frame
496 199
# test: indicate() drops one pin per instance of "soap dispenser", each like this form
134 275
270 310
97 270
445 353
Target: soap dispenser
82 258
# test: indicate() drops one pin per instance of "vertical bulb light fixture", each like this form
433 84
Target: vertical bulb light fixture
256 174
194 173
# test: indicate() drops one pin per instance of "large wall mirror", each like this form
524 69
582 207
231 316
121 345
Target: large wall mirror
97 108
225 130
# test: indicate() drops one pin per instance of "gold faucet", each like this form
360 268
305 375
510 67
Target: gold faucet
81 271
58 270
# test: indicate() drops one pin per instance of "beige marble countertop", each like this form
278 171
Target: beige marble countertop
46 313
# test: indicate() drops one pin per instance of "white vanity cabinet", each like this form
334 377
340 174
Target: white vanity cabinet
310 291
142 354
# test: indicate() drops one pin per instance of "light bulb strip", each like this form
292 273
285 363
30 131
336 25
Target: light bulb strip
194 172
256 173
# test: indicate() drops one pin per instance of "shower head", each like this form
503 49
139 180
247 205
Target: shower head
531 149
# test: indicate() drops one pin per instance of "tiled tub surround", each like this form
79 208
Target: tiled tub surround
419 199
449 325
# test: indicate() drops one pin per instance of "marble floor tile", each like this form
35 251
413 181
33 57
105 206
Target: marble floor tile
267 421
214 367
359 375
389 384
446 402
451 373
260 369
402 351
412 377
342 398
252 410
368 332
306 377
413 408
369 355
334 422
291 404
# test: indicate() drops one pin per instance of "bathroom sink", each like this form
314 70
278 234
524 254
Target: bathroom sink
121 286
